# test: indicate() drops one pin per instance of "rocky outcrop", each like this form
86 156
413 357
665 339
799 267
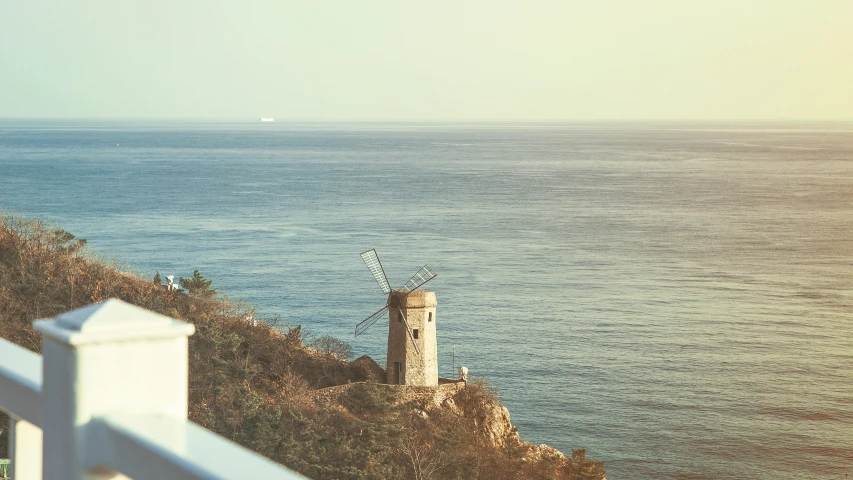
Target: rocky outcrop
365 369
490 417
495 424
536 453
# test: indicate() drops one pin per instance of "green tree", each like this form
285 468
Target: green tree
197 286
157 279
63 240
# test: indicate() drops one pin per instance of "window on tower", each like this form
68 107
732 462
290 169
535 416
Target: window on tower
415 333
430 317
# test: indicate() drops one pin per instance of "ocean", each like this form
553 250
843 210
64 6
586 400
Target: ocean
673 297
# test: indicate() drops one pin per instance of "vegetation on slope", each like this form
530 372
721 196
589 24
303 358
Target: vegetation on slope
254 384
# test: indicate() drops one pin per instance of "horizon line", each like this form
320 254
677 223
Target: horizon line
427 121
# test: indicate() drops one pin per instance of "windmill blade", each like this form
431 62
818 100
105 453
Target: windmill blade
367 322
420 277
371 259
409 330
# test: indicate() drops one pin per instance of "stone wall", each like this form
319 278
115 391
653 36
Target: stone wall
406 393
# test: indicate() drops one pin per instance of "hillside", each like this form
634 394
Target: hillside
263 387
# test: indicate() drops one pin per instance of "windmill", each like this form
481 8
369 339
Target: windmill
411 348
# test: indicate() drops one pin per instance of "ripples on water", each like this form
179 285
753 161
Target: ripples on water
674 298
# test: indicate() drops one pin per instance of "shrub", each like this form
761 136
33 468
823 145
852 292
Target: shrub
370 398
330 345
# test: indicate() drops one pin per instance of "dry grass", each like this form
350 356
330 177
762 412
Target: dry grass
253 384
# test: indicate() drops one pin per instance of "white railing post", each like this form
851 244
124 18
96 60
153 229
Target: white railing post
25 448
20 397
110 357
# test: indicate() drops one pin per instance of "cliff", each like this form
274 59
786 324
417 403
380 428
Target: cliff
259 384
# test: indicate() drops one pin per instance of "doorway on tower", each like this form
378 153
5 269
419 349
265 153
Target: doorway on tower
399 374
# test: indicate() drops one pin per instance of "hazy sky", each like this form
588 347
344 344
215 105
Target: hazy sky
428 60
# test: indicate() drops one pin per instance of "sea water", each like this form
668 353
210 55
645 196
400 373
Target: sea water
675 298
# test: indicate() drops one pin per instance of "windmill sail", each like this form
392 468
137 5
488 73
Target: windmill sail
409 330
420 277
371 259
367 322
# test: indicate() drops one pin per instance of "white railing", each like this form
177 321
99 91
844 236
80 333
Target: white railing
108 400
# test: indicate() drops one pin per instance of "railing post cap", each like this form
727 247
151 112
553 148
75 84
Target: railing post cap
111 320
111 314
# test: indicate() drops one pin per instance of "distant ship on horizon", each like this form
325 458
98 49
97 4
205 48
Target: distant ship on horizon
267 119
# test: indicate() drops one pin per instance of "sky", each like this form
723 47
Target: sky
437 60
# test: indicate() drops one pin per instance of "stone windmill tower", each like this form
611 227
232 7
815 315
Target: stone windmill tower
412 348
